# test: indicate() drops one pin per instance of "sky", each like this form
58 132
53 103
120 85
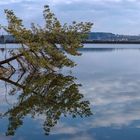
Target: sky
116 16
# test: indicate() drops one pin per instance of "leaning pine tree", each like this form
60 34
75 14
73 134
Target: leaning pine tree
45 47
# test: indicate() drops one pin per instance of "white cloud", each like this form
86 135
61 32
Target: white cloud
118 16
5 2
62 128
81 137
87 1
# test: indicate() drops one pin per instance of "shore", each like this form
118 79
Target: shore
91 42
110 42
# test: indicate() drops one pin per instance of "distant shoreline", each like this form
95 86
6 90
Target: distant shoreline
92 42
92 38
110 42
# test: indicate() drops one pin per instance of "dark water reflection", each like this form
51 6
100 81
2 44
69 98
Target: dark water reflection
110 81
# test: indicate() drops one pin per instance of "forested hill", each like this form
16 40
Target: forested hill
102 36
95 37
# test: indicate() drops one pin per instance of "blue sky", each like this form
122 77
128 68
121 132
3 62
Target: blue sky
117 16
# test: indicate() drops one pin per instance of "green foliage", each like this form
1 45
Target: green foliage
44 92
49 94
40 47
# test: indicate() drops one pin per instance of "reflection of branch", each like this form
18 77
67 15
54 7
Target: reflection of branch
10 59
20 77
6 99
50 94
11 74
20 63
11 82
15 83
13 69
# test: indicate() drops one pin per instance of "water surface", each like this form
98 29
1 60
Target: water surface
110 80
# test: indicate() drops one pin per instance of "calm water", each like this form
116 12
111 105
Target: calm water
110 80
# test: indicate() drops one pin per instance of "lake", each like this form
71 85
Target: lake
110 81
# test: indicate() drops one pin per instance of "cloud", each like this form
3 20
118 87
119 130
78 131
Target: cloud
115 104
5 2
81 137
28 10
118 16
68 2
62 128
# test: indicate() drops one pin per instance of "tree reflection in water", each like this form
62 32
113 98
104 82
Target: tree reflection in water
50 94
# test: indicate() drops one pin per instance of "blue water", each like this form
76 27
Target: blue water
111 82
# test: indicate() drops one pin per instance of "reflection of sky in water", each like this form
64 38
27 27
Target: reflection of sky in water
111 81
